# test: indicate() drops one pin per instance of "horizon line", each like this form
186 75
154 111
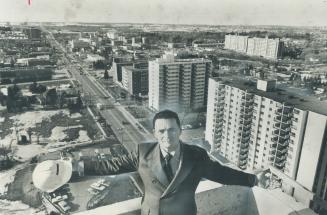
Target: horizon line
150 23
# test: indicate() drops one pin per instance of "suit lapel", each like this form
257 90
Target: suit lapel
154 162
185 167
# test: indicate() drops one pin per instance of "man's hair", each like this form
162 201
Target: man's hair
166 114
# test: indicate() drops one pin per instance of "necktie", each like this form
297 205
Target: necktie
167 167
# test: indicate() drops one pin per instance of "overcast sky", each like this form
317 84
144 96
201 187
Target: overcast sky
213 12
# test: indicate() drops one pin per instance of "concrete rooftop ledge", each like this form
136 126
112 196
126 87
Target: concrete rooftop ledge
213 198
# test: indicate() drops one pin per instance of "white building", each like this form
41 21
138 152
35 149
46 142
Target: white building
257 128
264 47
178 84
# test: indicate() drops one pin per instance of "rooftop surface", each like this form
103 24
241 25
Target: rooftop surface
213 198
307 103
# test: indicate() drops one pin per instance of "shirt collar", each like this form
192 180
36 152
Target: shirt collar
172 153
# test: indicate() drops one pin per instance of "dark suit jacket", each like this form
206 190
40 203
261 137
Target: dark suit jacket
178 197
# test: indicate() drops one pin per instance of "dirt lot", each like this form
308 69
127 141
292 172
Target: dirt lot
23 185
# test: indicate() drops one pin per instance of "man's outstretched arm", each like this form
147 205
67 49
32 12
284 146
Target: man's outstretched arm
215 171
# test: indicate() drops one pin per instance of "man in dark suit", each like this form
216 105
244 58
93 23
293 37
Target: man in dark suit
171 170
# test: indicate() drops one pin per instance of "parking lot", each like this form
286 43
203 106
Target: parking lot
120 188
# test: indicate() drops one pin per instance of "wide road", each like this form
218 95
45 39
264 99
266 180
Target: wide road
127 133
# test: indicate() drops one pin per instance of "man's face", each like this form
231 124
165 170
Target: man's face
167 133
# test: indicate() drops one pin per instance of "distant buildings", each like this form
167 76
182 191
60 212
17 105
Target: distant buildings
37 61
236 43
135 79
255 127
178 84
112 34
205 45
116 69
264 47
33 33
176 45
117 42
22 74
80 44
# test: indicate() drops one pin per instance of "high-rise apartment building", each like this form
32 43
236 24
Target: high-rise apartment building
312 172
258 126
264 47
178 84
135 79
235 42
116 69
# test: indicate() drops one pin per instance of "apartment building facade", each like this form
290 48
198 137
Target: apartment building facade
178 84
256 129
312 172
264 47
236 42
135 79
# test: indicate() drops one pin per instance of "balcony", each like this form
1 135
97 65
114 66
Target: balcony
213 198
244 155
242 162
245 140
246 115
283 119
272 152
244 145
244 151
285 110
218 135
221 97
219 123
281 151
245 121
282 144
218 129
279 163
248 108
273 145
219 114
282 126
242 166
281 159
247 97
279 143
247 127
283 136
244 133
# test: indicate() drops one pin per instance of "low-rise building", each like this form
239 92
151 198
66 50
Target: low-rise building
23 74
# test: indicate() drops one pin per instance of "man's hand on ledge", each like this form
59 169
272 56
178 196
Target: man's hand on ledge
263 178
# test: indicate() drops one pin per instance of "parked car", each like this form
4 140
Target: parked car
102 156
64 206
125 122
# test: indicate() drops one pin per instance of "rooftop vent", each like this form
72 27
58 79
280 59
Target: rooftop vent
266 85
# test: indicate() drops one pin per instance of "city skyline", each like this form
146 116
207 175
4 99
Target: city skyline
253 12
